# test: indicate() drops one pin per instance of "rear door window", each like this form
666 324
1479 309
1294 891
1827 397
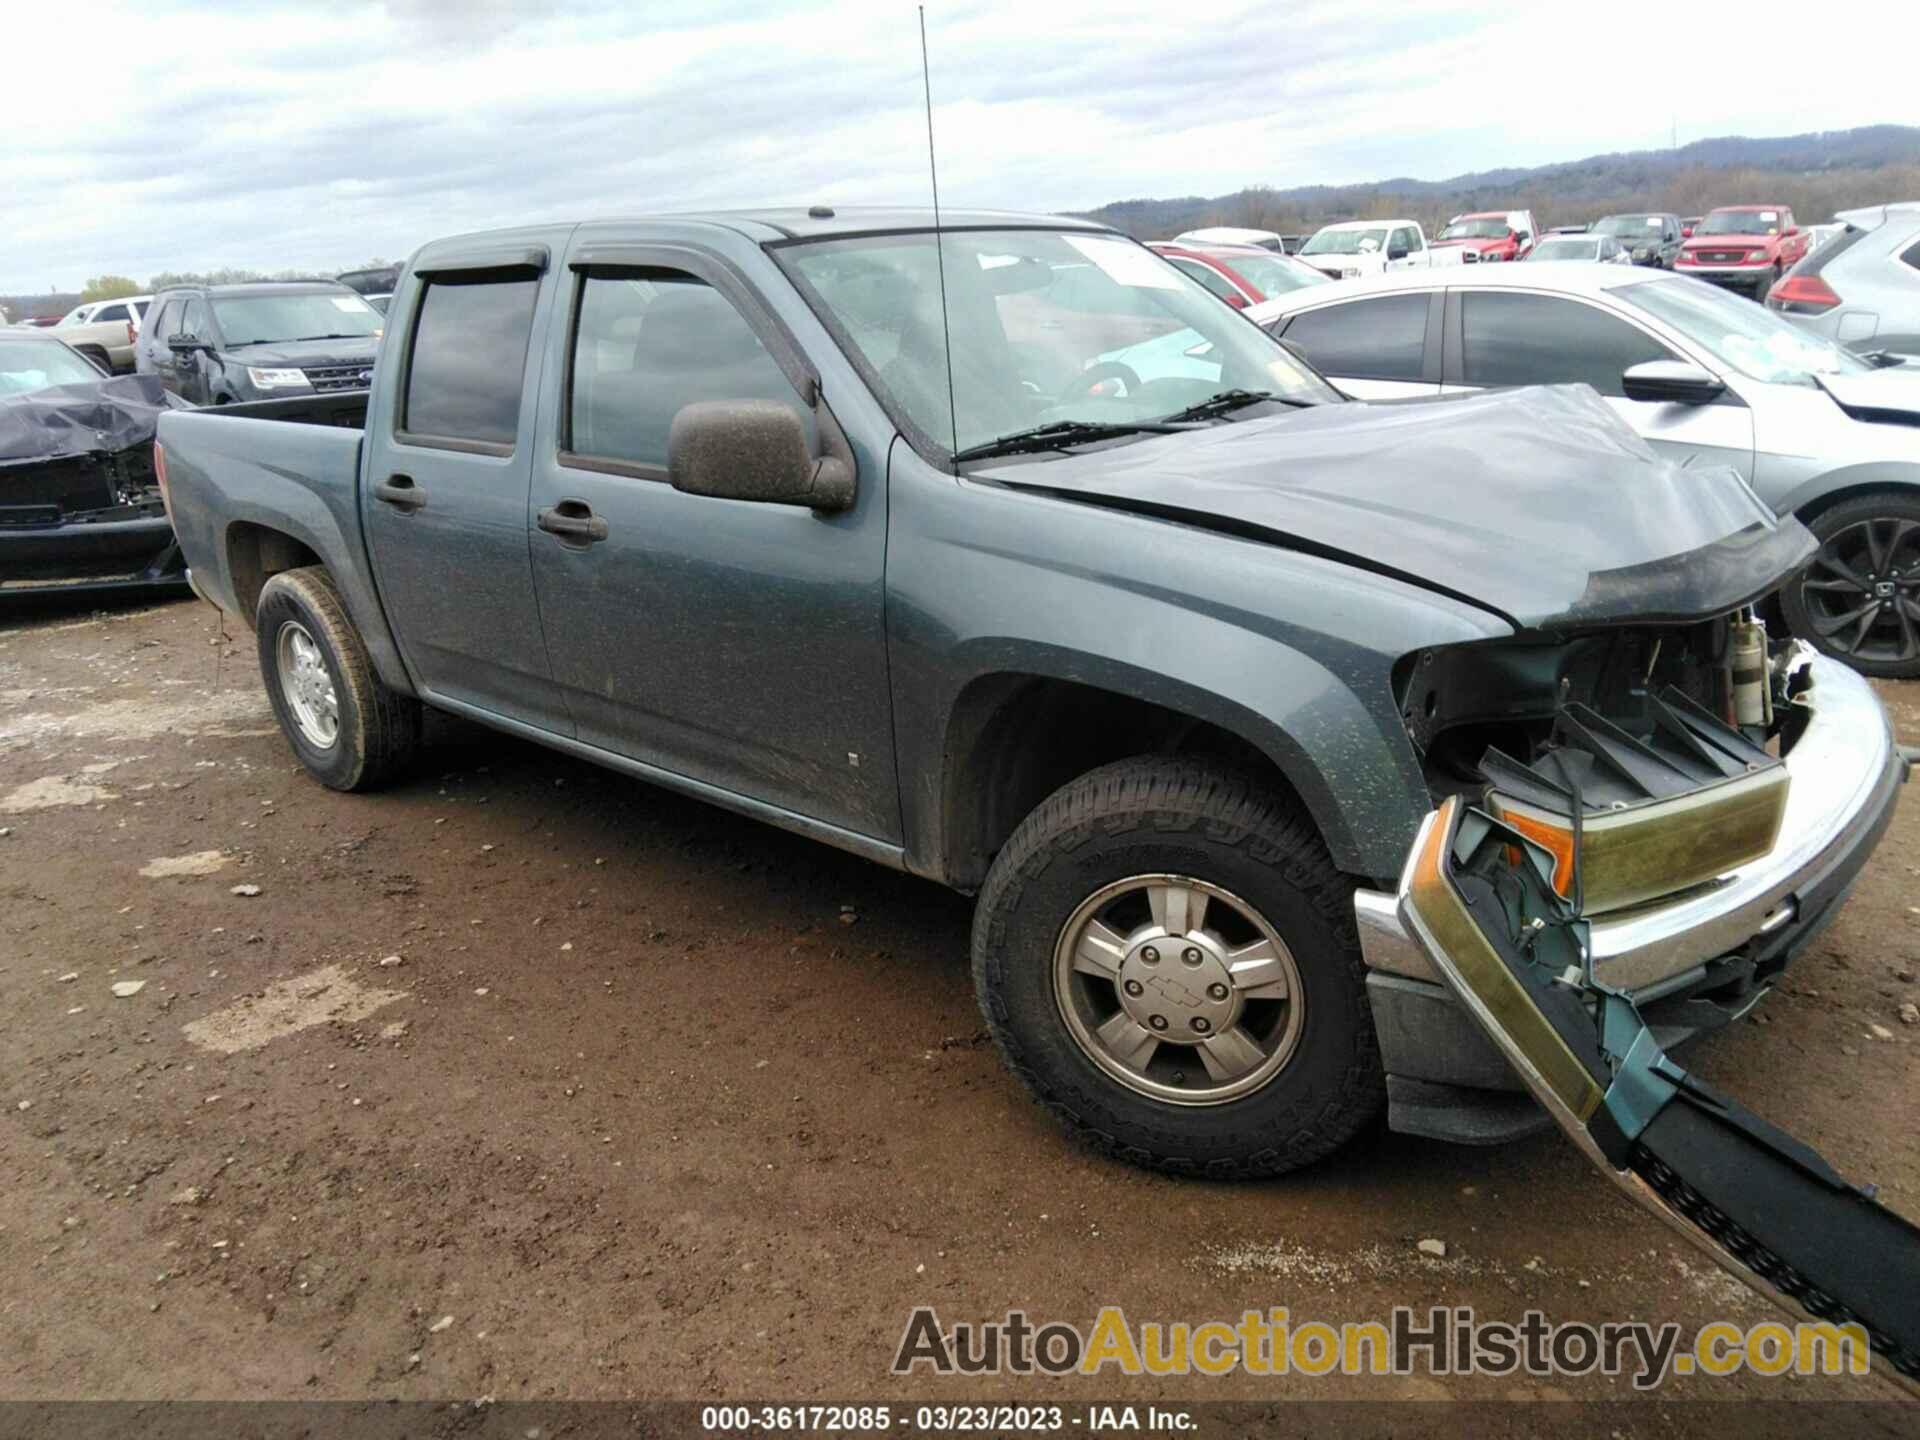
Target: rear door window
469 360
1384 338
1512 339
110 312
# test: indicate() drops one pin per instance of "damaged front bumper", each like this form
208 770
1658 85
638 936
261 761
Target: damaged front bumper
1693 961
1517 956
91 522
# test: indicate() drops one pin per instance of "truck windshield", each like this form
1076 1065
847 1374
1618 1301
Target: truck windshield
1475 230
1740 222
1345 242
37 364
310 315
1630 227
1044 328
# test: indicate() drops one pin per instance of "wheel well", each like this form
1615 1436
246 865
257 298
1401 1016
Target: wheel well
1822 503
1015 739
256 553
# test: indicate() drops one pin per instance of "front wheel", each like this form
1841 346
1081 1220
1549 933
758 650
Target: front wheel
348 726
1166 957
1859 598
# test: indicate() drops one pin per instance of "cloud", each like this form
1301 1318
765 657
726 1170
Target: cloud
312 135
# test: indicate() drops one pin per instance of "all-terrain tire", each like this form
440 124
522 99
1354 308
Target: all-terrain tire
378 727
1887 511
1210 822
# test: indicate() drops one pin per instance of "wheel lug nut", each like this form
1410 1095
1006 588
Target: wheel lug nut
1217 991
1190 955
1158 1022
1150 955
1133 987
1201 1024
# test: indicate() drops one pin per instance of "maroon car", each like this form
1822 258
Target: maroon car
1241 275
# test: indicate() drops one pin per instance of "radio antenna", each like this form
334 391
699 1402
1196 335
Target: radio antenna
939 258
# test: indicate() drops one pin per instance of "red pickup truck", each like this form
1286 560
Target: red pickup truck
1743 247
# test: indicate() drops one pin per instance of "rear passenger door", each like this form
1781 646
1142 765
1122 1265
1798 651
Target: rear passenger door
1496 339
1373 347
737 644
444 488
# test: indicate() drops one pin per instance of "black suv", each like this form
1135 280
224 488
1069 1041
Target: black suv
217 344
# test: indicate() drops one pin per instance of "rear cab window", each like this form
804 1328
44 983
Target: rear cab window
467 362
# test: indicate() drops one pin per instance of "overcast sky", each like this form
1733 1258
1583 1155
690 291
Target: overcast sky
154 135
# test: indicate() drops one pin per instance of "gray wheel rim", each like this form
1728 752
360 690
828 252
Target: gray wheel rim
1178 989
307 685
1862 591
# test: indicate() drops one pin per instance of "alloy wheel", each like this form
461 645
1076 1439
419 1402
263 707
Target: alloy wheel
1862 591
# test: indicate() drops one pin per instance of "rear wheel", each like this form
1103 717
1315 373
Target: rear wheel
1859 599
348 726
1167 958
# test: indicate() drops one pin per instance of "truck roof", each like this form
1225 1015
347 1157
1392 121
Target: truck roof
1367 224
801 222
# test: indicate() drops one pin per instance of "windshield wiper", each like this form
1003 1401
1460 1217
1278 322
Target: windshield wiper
298 338
1227 400
1058 434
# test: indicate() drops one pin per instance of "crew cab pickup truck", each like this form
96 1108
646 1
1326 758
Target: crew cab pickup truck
1490 236
1743 247
1370 247
1120 619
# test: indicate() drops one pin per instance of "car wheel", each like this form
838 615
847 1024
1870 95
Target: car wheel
1859 599
348 726
1167 958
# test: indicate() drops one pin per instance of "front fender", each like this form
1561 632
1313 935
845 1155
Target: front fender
1829 486
1290 652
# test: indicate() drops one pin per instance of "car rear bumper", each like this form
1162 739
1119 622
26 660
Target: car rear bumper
1696 961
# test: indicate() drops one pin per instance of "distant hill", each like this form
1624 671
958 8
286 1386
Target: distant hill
25 307
1816 174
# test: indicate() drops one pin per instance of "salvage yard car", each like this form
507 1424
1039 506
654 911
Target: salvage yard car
1703 376
80 509
221 344
1165 658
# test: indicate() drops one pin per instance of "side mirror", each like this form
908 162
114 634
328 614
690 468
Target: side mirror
1236 300
1791 230
1396 252
183 344
753 450
1672 382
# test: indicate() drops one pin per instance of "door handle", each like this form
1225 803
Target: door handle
400 492
573 520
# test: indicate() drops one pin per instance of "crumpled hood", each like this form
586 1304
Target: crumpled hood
1539 504
73 419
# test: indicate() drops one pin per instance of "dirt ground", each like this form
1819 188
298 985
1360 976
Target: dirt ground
660 1102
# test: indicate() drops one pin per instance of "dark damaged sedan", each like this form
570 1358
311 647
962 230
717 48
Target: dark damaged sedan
80 509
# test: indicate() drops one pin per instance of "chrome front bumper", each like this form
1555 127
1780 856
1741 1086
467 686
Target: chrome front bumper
1846 769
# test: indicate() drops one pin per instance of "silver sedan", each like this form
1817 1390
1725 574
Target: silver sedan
1707 377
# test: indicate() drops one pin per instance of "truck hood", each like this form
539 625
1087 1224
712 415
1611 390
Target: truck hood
1539 505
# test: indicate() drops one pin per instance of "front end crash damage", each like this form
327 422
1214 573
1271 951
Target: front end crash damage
1772 774
1498 916
80 505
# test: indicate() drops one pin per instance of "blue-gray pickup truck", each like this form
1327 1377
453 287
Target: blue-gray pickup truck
1005 554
